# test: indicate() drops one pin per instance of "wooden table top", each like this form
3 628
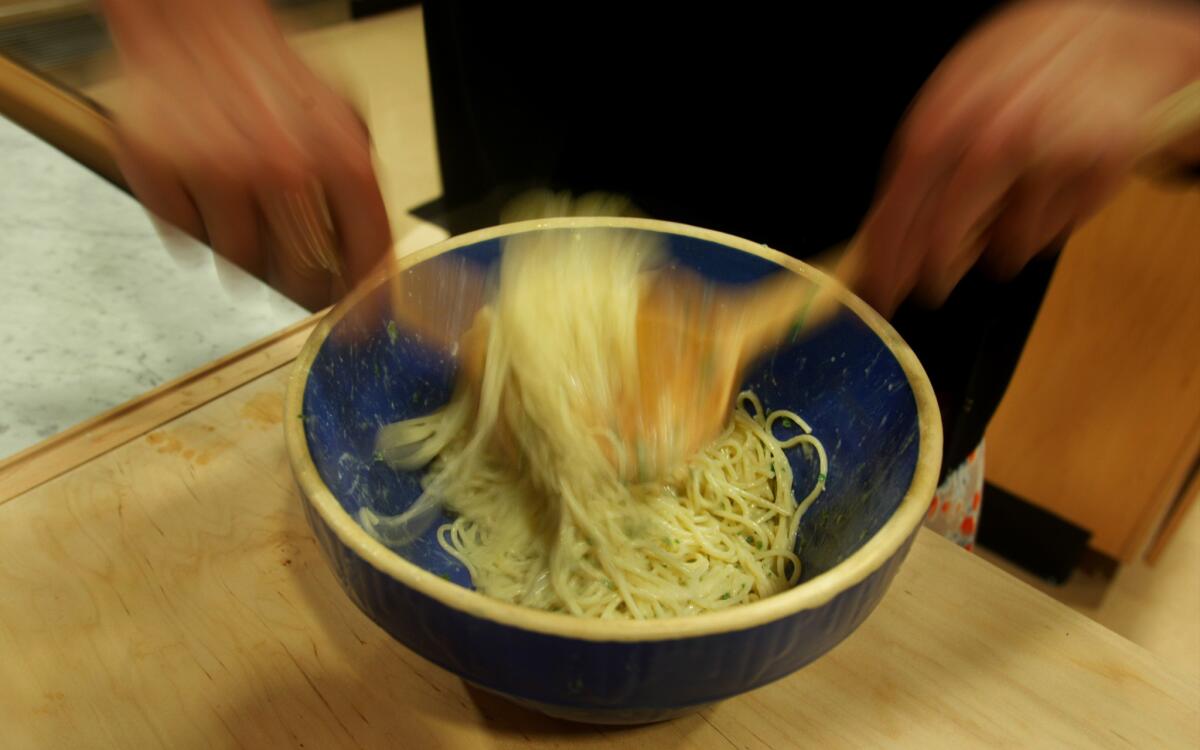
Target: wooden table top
168 593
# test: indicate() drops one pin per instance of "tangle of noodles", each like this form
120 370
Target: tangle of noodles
524 463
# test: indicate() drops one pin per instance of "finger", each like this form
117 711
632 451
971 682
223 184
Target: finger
231 222
974 195
304 283
1047 218
889 254
343 225
915 276
1033 215
1103 178
1005 261
972 199
157 186
356 207
925 153
936 285
1054 199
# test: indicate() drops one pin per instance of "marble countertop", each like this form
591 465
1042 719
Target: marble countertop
94 307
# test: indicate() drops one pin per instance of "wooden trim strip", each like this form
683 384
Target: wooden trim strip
60 453
1172 490
1183 503
70 122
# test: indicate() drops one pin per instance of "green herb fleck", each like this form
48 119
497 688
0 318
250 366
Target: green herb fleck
610 584
799 324
725 596
758 544
393 331
749 539
377 457
787 422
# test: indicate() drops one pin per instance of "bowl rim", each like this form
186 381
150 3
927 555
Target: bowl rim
808 595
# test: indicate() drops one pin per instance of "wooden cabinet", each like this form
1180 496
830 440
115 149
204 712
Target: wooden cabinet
1101 424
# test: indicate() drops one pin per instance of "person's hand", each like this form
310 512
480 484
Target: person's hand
1025 129
224 132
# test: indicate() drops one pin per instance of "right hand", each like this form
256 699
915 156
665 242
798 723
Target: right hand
1022 133
223 124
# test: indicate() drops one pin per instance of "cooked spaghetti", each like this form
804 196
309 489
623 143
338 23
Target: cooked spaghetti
527 458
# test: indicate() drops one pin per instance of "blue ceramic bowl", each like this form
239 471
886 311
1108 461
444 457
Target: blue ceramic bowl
854 380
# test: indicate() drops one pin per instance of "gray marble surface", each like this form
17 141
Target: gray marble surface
94 307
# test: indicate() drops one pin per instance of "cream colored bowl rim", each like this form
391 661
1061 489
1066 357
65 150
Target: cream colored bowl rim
808 595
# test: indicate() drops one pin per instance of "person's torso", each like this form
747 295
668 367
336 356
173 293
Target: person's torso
770 121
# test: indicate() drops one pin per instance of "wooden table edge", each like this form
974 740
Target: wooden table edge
93 437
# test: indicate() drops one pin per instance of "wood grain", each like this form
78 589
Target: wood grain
169 594
1102 421
93 437
66 120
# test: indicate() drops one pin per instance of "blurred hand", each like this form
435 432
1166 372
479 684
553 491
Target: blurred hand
1024 130
224 131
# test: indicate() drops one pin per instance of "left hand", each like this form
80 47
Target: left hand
1022 132
225 133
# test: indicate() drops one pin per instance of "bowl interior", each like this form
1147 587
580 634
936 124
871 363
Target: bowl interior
842 379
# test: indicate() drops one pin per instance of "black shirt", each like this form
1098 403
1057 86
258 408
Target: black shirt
765 120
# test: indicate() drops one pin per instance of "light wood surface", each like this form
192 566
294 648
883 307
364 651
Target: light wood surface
169 594
1102 421
93 437
1156 606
